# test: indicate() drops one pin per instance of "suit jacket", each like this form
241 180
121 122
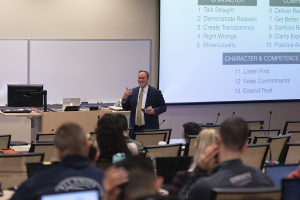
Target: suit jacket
154 99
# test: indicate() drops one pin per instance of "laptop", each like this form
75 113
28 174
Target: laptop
34 168
70 102
278 172
290 189
73 195
167 167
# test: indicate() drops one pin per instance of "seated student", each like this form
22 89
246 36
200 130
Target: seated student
110 137
124 125
132 178
74 172
204 139
191 128
230 172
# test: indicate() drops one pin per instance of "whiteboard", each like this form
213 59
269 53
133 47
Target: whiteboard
93 70
13 65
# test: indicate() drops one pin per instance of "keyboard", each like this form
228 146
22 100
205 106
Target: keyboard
17 111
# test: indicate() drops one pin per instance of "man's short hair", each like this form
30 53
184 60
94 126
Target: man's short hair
123 121
71 140
191 128
145 72
137 167
234 133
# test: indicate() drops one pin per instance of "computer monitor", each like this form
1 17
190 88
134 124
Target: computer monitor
24 95
167 167
290 189
72 195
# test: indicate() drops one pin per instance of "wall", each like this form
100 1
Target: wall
120 19
82 19
77 19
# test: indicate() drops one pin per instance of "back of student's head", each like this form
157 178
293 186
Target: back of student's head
71 140
234 132
191 128
123 121
110 137
204 139
141 178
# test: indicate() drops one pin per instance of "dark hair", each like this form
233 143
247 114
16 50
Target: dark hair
110 137
137 167
234 133
191 128
71 140
145 72
123 121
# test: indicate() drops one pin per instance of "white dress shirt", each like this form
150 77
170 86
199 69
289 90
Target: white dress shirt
145 92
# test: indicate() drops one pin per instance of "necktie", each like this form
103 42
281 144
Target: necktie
139 107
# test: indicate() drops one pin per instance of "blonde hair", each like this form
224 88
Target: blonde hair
204 139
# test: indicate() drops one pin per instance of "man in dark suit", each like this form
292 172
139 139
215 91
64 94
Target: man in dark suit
144 97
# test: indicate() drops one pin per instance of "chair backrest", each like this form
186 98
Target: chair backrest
261 132
45 136
216 127
104 163
168 130
189 149
150 138
252 125
255 155
13 167
277 144
5 141
270 193
46 147
290 154
260 139
169 150
249 139
295 136
291 126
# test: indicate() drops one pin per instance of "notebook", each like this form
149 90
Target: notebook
278 172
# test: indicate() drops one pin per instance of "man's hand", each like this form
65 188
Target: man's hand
208 158
127 93
149 111
113 178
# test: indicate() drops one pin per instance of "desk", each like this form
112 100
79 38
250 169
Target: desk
23 134
32 114
44 122
7 194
